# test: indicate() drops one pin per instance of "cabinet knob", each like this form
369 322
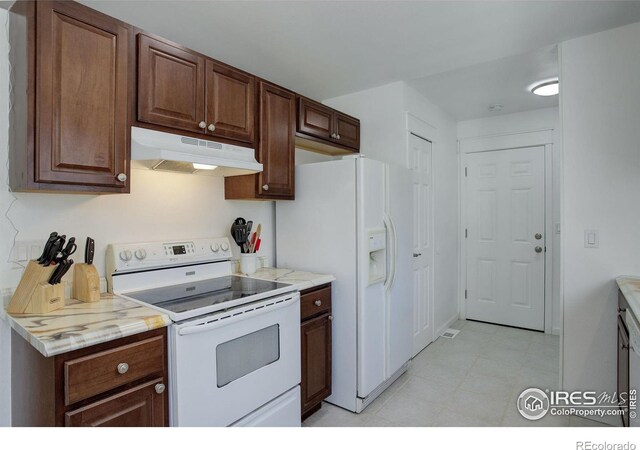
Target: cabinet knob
415 255
212 127
333 135
330 317
538 249
202 125
538 236
337 136
265 187
318 303
123 368
621 310
121 177
160 388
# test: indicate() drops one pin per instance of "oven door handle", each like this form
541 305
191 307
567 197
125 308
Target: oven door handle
228 320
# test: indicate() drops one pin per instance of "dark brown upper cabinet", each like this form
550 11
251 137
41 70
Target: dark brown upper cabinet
183 90
276 150
171 83
74 134
325 130
230 102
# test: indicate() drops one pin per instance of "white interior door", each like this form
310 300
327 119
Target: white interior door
420 158
505 237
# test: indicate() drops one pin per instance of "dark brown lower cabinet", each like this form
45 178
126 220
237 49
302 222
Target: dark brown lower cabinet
623 359
315 336
121 383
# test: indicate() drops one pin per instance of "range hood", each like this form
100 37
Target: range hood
171 152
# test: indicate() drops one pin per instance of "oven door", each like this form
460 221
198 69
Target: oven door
227 365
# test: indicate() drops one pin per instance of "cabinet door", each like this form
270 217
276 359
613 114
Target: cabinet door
170 85
82 135
315 335
230 102
140 406
315 119
347 131
623 369
276 151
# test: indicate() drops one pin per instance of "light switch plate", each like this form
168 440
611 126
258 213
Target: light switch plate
591 239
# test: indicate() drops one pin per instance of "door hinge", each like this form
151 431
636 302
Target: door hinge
465 293
466 172
466 233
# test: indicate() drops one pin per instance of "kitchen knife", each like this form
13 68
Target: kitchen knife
47 247
55 248
89 249
60 271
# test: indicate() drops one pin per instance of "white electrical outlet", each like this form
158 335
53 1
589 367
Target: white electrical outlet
24 251
591 239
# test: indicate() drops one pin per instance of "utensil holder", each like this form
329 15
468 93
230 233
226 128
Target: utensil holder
34 295
86 283
248 263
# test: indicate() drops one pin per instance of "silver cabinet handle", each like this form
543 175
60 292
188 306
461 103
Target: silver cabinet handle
415 255
121 177
123 368
538 236
318 303
538 249
202 125
265 187
160 388
212 127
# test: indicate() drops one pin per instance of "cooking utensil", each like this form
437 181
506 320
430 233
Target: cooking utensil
55 248
255 238
47 246
89 249
69 250
257 246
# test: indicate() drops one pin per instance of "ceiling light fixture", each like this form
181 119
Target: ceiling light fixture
546 88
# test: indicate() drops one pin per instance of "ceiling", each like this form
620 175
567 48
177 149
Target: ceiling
325 49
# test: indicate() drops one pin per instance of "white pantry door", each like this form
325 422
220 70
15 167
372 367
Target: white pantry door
420 154
505 237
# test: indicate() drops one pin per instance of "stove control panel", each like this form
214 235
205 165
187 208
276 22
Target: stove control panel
147 255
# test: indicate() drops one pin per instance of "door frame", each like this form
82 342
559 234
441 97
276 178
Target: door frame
418 127
540 138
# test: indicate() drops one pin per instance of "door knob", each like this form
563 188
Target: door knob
538 249
415 255
538 236
202 125
265 187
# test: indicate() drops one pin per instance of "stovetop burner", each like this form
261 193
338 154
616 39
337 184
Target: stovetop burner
185 297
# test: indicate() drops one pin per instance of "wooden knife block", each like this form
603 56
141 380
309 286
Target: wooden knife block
86 283
34 295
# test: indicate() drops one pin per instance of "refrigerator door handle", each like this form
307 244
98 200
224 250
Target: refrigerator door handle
391 263
394 266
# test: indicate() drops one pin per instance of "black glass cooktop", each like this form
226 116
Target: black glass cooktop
200 294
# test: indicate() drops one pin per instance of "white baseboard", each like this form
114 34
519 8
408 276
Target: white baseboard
446 325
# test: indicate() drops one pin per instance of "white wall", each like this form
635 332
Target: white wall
539 119
600 117
383 137
160 206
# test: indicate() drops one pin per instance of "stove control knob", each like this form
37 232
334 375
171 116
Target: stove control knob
224 246
215 247
126 255
141 254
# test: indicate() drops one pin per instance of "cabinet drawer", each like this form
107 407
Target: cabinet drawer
100 372
315 302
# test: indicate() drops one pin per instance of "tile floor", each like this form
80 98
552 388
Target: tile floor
472 380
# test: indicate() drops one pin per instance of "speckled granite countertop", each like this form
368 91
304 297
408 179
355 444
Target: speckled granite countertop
80 325
630 287
302 280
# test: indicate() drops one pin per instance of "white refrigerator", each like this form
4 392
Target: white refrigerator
353 218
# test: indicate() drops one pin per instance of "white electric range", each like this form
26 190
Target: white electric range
234 345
